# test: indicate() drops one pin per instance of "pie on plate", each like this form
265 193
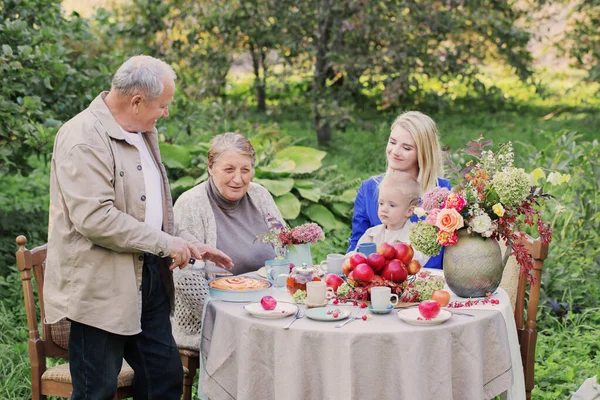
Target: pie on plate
239 283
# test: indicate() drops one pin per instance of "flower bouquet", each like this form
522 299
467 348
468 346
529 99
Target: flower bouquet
293 243
494 200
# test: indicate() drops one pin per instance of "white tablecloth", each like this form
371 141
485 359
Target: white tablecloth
382 358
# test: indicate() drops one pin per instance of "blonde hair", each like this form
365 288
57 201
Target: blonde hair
429 154
230 141
405 183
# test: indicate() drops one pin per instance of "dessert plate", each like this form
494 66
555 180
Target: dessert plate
381 310
262 272
281 311
414 317
327 313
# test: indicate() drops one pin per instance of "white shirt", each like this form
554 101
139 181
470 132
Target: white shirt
378 234
152 181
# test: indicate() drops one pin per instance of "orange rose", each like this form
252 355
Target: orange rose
447 238
449 220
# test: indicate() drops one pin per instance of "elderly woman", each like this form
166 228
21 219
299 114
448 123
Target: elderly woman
228 212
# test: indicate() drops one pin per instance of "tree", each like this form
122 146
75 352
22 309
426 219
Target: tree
583 37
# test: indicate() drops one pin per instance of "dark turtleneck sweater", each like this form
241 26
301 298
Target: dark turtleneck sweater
238 224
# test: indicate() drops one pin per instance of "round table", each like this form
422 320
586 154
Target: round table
248 358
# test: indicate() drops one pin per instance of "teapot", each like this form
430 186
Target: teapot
299 276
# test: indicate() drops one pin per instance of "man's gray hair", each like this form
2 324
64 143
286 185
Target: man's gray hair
143 75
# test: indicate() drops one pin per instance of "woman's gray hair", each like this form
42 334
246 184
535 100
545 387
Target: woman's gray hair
143 75
230 141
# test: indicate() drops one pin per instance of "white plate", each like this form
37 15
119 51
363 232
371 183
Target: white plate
281 311
262 272
327 313
414 317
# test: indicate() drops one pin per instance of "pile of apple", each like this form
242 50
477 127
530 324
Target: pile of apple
391 262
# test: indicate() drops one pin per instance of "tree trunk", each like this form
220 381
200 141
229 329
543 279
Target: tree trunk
319 90
258 59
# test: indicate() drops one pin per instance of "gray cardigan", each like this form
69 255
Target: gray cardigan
194 213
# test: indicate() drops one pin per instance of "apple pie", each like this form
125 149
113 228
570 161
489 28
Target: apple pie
238 283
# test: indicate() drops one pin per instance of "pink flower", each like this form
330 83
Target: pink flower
435 198
449 220
432 217
455 201
447 238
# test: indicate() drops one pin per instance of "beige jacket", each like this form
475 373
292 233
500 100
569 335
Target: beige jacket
96 233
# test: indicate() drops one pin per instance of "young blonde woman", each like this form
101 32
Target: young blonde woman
413 147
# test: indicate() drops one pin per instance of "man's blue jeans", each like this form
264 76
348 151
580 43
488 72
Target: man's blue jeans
95 356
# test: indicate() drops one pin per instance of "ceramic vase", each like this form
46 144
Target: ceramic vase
299 254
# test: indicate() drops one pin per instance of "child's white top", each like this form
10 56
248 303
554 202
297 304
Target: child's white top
378 234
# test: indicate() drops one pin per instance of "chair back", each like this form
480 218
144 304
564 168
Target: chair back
54 339
526 312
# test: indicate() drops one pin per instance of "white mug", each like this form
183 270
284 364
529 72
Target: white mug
317 292
381 297
333 264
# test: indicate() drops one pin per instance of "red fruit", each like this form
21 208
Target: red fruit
268 302
335 315
413 267
364 317
333 281
376 278
358 258
347 267
386 250
376 261
363 305
442 297
429 309
336 301
362 273
395 272
404 252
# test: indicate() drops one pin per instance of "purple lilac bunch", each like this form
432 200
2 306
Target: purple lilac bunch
307 233
435 198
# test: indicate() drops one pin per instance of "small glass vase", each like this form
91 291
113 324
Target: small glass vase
299 254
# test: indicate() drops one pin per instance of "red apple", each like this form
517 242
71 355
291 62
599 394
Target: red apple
358 258
333 281
404 252
362 273
429 309
386 250
394 271
347 267
268 302
413 267
376 261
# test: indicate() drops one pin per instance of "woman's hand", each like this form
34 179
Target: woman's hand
208 253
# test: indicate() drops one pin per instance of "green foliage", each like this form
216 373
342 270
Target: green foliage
48 73
584 37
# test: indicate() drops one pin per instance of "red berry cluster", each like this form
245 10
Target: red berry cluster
471 303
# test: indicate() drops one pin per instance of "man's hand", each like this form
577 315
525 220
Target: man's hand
208 253
180 253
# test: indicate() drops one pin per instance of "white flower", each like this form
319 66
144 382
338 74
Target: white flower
554 178
420 212
559 208
481 223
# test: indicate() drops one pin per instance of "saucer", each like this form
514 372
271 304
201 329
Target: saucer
311 305
381 310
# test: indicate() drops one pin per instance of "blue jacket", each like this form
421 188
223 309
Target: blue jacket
365 214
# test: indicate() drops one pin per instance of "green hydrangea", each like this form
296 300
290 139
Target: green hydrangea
343 290
423 237
299 296
426 286
512 185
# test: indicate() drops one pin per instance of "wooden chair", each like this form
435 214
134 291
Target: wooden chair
191 362
55 381
526 312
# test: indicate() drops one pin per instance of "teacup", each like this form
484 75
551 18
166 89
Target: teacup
333 264
381 297
277 271
367 248
317 292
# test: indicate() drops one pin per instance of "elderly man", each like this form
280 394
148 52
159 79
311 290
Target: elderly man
112 239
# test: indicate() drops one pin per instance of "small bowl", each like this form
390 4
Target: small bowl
381 310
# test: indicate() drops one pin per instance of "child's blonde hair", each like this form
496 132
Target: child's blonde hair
429 154
405 183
